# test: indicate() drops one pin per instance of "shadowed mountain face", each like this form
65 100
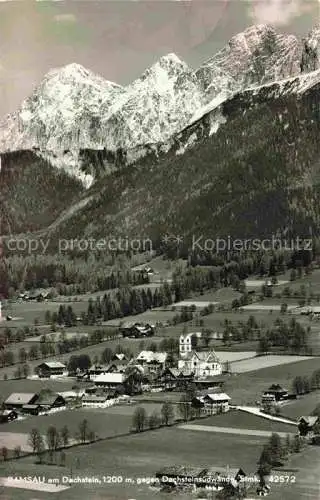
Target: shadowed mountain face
33 193
257 175
219 151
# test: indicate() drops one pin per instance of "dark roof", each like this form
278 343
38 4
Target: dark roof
52 364
117 363
48 398
178 470
277 388
311 421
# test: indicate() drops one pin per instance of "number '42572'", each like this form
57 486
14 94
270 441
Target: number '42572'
282 479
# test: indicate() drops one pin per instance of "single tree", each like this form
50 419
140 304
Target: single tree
34 438
167 412
83 430
65 435
4 452
139 419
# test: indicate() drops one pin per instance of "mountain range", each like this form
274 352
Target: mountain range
229 148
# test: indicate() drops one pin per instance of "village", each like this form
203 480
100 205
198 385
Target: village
184 387
234 371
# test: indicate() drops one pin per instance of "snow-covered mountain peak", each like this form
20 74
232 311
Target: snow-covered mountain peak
254 57
61 115
156 105
162 75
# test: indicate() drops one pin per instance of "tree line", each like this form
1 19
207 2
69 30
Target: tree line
67 274
290 336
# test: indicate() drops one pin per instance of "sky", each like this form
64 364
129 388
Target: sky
119 39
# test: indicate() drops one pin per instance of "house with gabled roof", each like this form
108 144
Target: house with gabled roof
49 399
17 400
212 403
307 424
118 366
151 362
50 368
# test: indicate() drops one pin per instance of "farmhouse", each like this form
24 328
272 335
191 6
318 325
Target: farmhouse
137 330
277 391
110 380
173 378
117 365
7 416
17 400
211 404
151 362
307 424
31 409
49 400
50 368
96 370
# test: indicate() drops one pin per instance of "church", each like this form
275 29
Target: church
203 363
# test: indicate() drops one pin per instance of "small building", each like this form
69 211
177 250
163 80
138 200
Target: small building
99 398
110 380
213 403
31 409
96 370
307 424
93 400
50 368
48 400
137 330
151 362
117 365
17 400
277 391
173 378
7 416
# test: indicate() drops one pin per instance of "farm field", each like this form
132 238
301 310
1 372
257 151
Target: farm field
152 316
258 283
55 336
246 388
141 456
105 422
92 351
234 356
261 362
242 420
306 469
302 406
216 319
35 385
271 306
194 303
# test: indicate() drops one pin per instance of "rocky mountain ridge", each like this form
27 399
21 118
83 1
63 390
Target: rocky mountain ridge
74 109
